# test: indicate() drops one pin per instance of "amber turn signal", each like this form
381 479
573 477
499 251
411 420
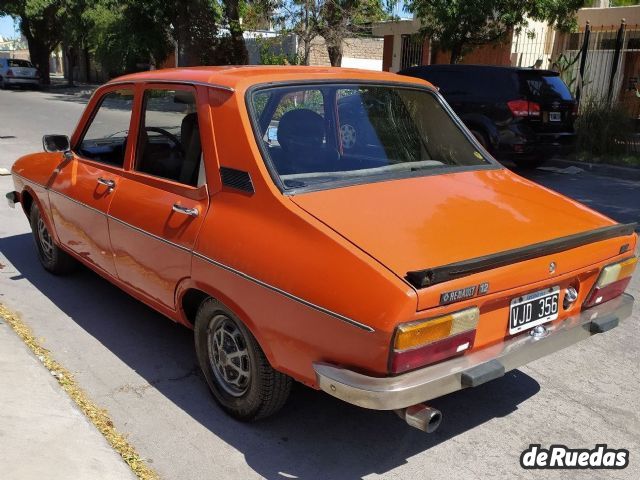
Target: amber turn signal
423 332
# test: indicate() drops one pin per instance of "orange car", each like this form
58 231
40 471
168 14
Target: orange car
336 227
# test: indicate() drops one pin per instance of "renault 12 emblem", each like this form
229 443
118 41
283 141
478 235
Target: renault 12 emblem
552 267
464 293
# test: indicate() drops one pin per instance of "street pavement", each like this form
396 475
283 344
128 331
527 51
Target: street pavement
142 368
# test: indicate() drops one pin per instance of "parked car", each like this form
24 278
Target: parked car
17 72
519 114
336 227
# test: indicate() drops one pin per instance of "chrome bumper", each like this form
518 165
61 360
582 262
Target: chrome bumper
390 393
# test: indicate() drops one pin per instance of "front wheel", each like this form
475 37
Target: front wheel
235 367
52 258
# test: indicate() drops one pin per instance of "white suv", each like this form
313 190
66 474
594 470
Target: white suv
14 71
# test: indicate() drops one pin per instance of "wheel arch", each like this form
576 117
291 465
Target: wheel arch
191 294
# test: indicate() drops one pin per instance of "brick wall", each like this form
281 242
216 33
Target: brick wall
365 48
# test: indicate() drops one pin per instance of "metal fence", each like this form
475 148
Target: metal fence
599 63
411 52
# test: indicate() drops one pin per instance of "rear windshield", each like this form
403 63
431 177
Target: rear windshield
545 87
14 62
325 136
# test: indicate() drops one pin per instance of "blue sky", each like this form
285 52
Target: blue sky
7 28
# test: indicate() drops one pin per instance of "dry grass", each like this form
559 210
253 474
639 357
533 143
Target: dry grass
98 416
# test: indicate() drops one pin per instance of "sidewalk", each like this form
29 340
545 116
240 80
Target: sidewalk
43 435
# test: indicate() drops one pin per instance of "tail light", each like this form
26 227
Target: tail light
9 73
524 108
575 108
612 282
38 74
416 344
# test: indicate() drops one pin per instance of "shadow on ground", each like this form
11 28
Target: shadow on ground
76 94
616 198
314 437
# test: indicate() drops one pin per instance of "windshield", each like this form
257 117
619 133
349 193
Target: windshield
325 136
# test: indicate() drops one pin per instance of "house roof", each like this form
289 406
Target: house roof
242 77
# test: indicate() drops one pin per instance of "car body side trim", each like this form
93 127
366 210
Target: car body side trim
273 288
432 276
286 294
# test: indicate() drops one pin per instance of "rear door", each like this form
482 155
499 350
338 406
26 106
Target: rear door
162 198
82 191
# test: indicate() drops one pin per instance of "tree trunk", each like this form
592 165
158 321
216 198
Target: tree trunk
335 55
456 54
40 58
239 49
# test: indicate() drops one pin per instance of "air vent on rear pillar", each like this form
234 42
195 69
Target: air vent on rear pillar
238 179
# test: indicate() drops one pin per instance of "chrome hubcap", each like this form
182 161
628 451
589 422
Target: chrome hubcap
228 355
46 244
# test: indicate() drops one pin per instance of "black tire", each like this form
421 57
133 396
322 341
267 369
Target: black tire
52 258
248 388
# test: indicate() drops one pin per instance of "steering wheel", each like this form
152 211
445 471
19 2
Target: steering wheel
167 134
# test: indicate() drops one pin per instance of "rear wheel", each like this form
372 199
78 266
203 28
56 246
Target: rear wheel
52 258
235 367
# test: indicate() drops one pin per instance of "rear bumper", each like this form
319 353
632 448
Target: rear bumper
389 393
21 81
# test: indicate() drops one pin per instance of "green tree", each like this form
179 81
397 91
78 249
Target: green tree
334 20
42 23
461 25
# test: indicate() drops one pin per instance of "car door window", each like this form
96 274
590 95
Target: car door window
105 140
296 133
169 144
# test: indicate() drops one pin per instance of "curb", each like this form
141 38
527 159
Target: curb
625 173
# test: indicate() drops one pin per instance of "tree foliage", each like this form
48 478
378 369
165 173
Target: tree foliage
41 23
460 25
334 20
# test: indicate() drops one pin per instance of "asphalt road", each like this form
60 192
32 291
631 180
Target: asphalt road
142 368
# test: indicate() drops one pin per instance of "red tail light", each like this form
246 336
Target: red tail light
524 108
612 282
575 108
9 73
423 342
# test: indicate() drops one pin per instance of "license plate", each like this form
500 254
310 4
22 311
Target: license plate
555 117
533 309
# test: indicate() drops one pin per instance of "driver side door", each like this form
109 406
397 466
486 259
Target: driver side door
83 189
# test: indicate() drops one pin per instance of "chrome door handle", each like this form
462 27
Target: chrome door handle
192 212
107 183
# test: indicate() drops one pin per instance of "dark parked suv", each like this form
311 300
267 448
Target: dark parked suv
520 114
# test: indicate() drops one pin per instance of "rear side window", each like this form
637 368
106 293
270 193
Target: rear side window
169 144
545 87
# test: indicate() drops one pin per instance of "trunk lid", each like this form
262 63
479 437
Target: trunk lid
431 221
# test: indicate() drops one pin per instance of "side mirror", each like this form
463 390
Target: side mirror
56 143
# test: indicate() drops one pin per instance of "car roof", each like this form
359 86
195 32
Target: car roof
240 78
472 67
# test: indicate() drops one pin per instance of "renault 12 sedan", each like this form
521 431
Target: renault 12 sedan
336 227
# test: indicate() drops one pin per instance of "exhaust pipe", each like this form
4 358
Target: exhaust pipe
422 417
